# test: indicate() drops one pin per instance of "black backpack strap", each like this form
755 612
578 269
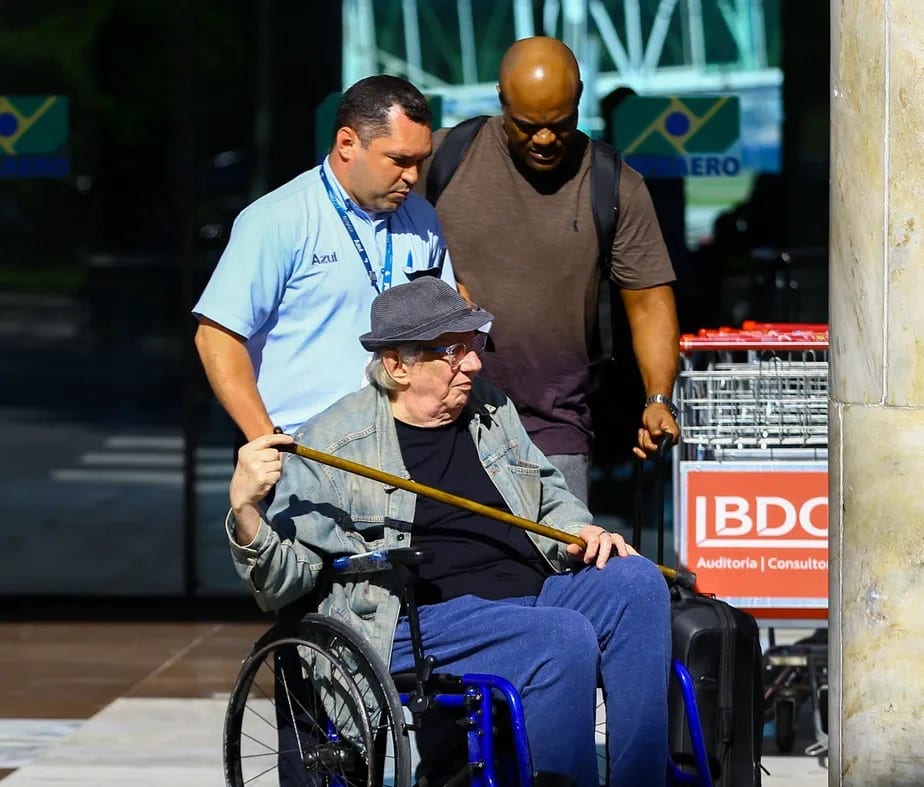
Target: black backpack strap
449 154
605 169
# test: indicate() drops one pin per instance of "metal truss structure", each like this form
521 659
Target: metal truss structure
628 36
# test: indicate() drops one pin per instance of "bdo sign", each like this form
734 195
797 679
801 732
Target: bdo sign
756 535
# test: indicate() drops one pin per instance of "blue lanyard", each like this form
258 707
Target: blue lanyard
361 250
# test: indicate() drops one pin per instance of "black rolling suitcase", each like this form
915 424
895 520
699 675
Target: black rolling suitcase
720 647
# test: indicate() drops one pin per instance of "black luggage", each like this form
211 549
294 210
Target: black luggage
720 647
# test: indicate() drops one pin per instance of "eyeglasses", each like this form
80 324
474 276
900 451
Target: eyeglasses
454 354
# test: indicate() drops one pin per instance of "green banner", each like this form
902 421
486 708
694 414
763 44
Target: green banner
679 136
34 134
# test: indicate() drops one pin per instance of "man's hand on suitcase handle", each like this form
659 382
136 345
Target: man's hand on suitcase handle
657 447
658 432
665 443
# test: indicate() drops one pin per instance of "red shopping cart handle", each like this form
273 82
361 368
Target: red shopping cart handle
743 342
759 334
789 327
753 335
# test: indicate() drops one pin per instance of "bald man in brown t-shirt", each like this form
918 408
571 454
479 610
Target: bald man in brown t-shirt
519 224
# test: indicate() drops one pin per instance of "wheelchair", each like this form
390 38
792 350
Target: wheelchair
313 704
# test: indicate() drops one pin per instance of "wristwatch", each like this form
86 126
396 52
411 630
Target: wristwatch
666 401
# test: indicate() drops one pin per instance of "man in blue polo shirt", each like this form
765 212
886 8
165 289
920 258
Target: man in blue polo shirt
281 313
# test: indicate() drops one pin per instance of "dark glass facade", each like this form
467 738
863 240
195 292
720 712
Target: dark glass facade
130 136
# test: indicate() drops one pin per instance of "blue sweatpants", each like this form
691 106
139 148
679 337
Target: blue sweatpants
612 622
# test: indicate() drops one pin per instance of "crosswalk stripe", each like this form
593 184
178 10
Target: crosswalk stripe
134 460
210 482
118 476
141 459
144 441
151 460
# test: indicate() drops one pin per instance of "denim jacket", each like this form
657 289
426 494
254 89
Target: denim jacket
321 511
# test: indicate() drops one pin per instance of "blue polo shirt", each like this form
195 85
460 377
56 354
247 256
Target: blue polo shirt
292 283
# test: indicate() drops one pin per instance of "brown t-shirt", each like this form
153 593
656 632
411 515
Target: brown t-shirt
532 259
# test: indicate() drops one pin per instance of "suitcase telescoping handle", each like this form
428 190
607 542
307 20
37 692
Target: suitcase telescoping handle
686 579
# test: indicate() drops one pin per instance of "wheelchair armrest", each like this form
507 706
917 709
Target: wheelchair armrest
409 556
381 560
406 683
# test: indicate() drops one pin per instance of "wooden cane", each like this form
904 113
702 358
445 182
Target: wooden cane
683 578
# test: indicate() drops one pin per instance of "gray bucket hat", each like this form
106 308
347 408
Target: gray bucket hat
420 311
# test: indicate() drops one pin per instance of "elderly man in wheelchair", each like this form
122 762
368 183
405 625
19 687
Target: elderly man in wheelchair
540 622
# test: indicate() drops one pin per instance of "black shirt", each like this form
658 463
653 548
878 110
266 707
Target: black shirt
473 554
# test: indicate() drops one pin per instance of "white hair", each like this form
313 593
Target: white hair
378 375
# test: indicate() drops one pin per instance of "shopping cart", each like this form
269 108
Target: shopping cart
763 394
750 485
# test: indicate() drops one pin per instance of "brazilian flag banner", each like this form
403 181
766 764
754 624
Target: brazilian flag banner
674 136
34 135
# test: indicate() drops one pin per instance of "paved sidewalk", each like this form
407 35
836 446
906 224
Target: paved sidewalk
166 742
142 705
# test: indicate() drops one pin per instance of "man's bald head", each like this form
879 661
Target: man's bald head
539 87
539 64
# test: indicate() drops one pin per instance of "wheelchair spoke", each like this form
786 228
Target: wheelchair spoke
269 770
270 752
600 738
312 704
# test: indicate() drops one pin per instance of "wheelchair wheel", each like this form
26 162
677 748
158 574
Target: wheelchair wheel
601 739
314 705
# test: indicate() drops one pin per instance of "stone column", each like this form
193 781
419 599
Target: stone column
877 393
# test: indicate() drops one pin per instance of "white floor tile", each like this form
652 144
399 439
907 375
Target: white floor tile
22 740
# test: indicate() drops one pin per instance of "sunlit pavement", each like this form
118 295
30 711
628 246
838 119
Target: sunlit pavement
142 704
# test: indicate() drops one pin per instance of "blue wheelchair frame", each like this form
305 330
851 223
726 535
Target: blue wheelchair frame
477 699
477 693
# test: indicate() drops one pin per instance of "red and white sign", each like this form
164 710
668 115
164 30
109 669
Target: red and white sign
756 535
